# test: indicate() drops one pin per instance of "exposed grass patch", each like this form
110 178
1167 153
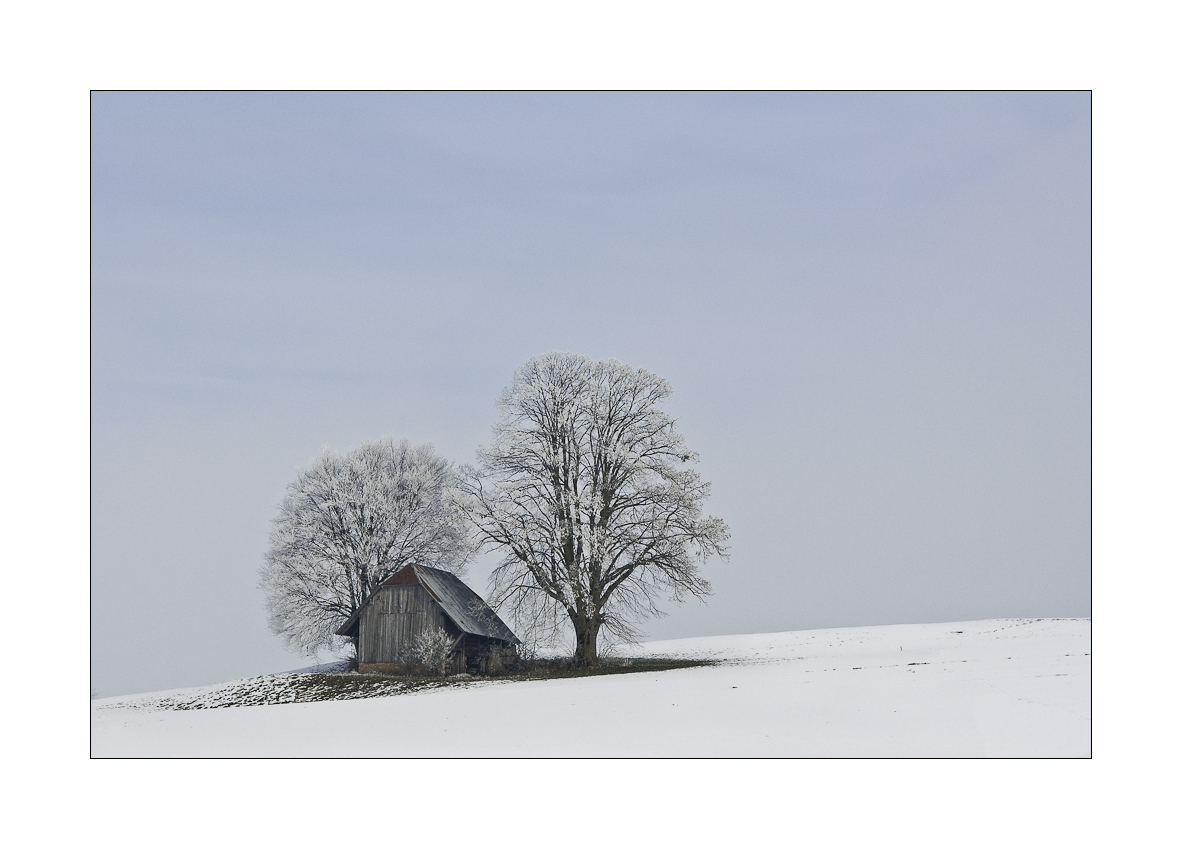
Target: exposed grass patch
542 669
297 687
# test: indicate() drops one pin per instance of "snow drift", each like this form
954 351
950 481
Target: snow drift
1002 687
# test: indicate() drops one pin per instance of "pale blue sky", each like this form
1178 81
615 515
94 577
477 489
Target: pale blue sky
873 308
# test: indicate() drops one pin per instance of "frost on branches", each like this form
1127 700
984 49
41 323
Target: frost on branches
348 523
587 490
431 649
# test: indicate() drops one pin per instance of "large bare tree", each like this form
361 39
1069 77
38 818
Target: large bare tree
348 523
588 492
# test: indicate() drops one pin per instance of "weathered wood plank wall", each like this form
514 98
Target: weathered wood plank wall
394 618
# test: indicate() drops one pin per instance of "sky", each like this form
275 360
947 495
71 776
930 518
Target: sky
874 310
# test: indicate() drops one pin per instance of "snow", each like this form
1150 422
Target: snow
992 688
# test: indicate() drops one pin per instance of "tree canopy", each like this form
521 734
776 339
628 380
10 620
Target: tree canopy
349 522
588 491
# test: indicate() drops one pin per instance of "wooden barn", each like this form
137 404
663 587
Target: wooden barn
416 600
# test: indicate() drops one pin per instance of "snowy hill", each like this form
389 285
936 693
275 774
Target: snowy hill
1001 687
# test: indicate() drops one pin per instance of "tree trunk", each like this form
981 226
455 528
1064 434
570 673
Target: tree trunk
586 643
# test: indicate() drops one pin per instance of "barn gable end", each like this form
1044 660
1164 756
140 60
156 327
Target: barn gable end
417 599
395 616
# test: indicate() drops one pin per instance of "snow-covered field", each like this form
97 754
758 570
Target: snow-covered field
1000 687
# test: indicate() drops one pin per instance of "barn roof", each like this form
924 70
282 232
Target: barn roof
464 607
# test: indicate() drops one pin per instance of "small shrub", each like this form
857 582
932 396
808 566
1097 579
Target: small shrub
431 649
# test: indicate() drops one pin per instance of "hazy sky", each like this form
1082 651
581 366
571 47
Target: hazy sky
873 309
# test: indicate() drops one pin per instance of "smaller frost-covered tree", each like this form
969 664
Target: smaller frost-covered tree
349 522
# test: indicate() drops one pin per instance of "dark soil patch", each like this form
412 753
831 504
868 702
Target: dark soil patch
541 669
297 687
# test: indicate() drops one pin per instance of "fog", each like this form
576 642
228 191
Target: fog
873 308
